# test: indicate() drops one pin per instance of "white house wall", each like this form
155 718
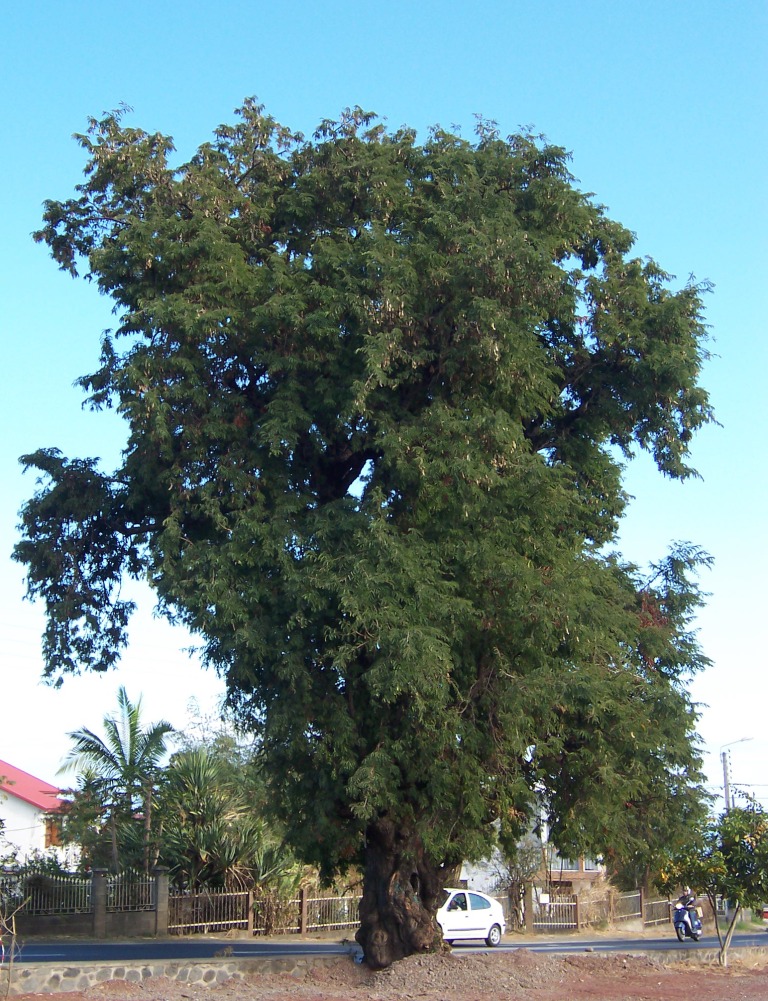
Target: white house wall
23 825
483 875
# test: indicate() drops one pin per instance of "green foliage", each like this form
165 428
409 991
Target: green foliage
210 833
206 820
36 861
728 858
378 393
118 774
81 569
662 817
237 759
86 823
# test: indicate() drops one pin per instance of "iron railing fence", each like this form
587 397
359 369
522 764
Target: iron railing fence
324 913
557 913
44 893
208 911
11 891
130 891
275 916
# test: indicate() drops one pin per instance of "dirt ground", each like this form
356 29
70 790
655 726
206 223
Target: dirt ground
522 975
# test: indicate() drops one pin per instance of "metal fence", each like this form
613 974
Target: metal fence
11 891
222 910
325 913
273 915
208 911
556 913
41 893
254 912
130 891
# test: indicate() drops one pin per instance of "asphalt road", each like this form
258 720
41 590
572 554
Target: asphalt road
166 949
665 942
206 948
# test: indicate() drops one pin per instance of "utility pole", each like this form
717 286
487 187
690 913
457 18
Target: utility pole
726 781
726 763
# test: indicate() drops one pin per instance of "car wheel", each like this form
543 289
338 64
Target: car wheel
494 936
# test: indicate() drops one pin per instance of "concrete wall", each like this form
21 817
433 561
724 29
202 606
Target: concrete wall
101 923
124 924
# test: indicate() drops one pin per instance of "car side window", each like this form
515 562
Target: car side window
478 903
459 903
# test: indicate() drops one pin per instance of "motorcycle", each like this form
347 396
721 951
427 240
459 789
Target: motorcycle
687 922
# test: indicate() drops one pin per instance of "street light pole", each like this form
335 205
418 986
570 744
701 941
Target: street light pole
724 758
726 783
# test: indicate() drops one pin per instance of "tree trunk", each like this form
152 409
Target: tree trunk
516 896
147 826
113 839
725 943
401 890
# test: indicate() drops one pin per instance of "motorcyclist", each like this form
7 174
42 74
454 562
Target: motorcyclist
687 898
687 901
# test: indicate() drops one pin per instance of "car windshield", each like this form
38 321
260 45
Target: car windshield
443 898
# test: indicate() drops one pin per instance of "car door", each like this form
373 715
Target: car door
479 918
456 913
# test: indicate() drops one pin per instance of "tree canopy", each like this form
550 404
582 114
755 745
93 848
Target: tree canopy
378 395
725 858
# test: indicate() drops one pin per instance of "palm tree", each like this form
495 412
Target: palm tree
212 835
124 764
209 831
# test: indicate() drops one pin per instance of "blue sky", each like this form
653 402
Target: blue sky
664 108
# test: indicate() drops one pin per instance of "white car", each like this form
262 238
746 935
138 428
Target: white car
467 914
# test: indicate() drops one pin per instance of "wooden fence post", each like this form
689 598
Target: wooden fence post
577 912
303 907
642 906
250 911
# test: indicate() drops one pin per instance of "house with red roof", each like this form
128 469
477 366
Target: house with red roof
28 809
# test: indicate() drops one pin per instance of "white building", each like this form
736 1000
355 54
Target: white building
28 808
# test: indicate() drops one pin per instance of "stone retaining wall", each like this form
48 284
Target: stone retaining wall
53 978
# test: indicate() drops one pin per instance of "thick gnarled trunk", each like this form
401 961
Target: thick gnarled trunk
401 891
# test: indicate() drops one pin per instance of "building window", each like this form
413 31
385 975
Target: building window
52 833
